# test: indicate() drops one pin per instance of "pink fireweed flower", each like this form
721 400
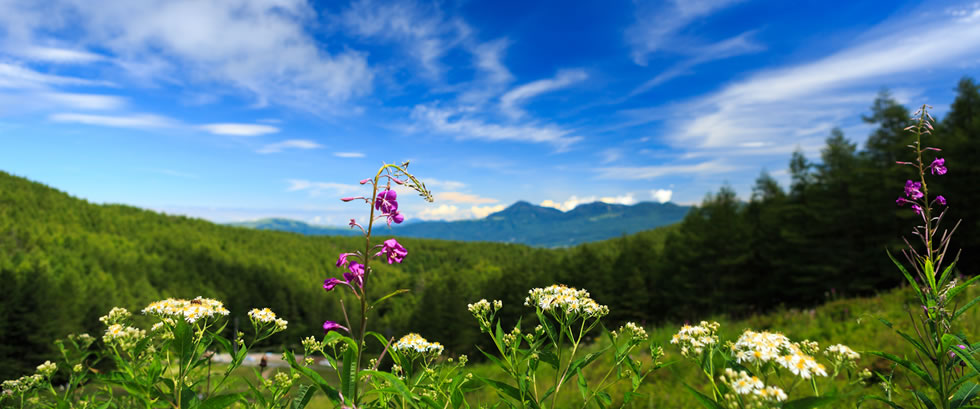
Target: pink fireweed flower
363 181
342 260
938 166
917 208
395 252
941 200
913 189
333 326
396 217
356 274
386 202
330 283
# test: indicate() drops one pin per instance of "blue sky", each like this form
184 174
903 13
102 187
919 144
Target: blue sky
240 109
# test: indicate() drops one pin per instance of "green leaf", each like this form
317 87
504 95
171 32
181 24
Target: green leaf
930 274
964 395
809 402
924 399
392 294
494 360
958 289
918 345
313 376
948 271
585 361
966 307
912 366
702 399
348 377
908 276
502 387
604 398
879 399
398 385
303 396
583 386
549 358
964 355
221 401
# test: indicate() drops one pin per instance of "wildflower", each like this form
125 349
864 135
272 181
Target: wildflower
124 336
190 311
385 202
396 217
395 252
917 208
414 344
760 347
333 326
342 260
356 274
841 352
47 369
115 316
941 200
559 298
330 283
635 332
938 166
913 189
266 316
696 338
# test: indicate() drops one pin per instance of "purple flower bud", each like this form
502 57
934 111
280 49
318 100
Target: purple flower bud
941 200
938 166
330 283
333 326
342 260
395 252
917 208
933 149
347 199
363 181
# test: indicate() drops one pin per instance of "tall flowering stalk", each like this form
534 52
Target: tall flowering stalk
383 204
941 353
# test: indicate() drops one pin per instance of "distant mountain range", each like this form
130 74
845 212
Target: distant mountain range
523 223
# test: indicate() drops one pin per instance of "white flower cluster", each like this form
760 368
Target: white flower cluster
190 311
124 336
635 332
561 298
483 307
693 339
47 369
117 315
762 347
757 394
22 385
266 316
841 353
414 343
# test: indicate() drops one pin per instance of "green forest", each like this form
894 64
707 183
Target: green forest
65 262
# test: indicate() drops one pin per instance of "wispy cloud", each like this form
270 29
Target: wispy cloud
289 144
57 55
116 121
511 101
444 184
14 76
83 101
656 171
574 201
262 49
348 154
457 124
318 188
771 107
657 25
458 197
738 45
453 212
234 129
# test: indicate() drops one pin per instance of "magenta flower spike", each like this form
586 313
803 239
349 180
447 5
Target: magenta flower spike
913 189
393 250
938 166
386 201
333 326
941 200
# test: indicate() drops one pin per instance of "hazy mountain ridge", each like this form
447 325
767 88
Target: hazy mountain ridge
523 223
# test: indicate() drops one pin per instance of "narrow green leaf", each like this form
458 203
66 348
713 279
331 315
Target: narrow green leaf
958 289
549 358
912 366
494 360
947 272
396 383
221 401
918 345
810 402
702 399
930 272
303 396
585 361
964 395
604 398
908 276
924 399
966 307
964 355
348 378
502 387
879 399
583 386
392 294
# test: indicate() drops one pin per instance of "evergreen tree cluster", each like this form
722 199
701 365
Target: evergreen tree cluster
65 262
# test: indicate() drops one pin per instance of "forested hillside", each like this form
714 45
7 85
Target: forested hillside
64 262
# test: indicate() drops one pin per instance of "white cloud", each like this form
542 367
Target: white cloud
318 188
661 195
58 55
239 129
738 45
489 58
480 212
289 144
18 77
261 48
123 121
653 172
610 155
773 106
574 201
657 25
444 184
348 154
463 127
457 197
84 101
511 101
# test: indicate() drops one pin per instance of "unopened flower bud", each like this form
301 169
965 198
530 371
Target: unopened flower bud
347 199
363 181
